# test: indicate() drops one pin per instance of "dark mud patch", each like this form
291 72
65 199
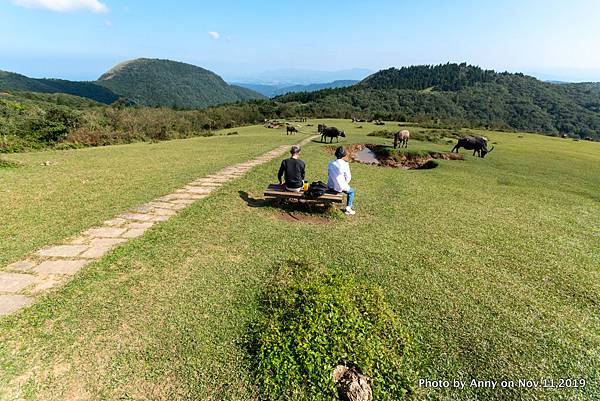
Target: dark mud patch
387 156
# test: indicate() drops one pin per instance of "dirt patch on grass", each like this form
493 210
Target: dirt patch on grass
387 156
302 218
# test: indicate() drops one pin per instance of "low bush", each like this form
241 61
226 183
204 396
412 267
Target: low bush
399 154
312 319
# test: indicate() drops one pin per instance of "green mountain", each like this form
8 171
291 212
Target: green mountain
246 93
154 82
463 95
10 81
48 100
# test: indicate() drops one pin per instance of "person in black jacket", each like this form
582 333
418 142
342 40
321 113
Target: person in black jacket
292 170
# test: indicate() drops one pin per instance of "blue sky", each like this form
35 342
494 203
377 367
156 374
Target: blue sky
80 39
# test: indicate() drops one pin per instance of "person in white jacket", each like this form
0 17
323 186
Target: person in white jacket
338 172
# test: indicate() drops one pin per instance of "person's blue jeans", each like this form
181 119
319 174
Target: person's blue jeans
350 193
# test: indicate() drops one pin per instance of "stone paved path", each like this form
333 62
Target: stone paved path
22 281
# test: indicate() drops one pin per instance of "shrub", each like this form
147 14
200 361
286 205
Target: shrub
311 320
233 133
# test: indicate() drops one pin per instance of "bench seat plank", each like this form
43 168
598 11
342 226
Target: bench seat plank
276 191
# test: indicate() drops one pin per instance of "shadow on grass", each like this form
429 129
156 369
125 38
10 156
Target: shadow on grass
255 202
295 210
326 142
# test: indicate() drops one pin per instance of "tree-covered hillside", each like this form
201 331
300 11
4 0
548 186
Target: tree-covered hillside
462 95
154 82
10 81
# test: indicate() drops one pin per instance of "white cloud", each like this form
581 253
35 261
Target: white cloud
95 6
214 35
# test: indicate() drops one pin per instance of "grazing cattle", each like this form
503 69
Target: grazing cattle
321 127
478 144
290 130
378 122
331 132
401 138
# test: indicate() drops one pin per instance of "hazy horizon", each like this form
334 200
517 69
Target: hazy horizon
550 40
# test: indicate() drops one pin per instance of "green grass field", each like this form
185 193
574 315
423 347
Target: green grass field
80 188
492 267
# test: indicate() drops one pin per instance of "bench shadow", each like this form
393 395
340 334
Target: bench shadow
255 202
288 206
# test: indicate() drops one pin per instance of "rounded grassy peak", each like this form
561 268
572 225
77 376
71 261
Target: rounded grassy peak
156 82
150 66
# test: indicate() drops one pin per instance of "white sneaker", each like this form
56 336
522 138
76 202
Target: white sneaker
349 211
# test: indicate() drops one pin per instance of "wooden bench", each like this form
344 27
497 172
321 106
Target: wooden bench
279 192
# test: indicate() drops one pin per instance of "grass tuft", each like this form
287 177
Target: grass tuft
312 319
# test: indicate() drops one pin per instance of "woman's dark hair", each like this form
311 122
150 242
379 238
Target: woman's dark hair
340 152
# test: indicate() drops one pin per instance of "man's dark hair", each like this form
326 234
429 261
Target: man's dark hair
295 150
340 152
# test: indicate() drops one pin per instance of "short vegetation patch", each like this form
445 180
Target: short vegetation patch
8 164
311 320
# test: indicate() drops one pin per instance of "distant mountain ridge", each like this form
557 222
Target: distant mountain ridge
277 90
10 81
299 76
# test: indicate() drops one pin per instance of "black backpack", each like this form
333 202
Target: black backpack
316 189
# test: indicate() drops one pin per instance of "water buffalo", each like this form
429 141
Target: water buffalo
321 127
478 144
290 130
331 132
401 138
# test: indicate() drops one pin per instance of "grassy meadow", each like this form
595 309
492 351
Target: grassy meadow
491 265
44 204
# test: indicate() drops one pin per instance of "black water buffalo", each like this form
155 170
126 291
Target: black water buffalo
478 144
321 127
331 132
290 130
